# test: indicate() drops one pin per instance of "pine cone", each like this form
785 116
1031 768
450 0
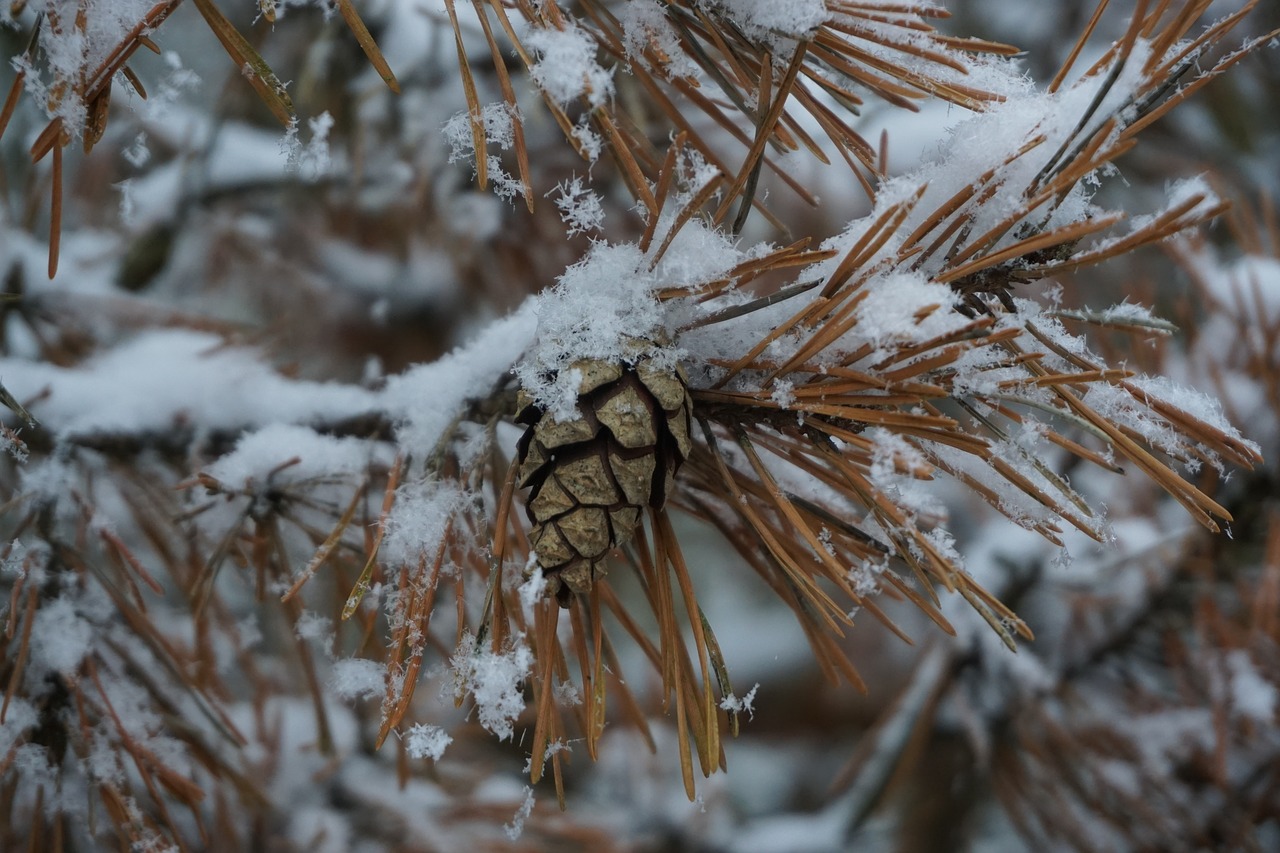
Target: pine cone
590 478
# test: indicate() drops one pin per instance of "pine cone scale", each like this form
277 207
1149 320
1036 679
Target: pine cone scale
631 418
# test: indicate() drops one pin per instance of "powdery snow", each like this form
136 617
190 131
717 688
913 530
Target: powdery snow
606 307
357 678
494 680
566 67
426 742
173 379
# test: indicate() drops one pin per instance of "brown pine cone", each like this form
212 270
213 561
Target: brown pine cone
590 478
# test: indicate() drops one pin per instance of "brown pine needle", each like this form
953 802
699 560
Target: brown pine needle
547 616
366 574
710 745
791 514
330 543
417 618
871 241
592 707
636 181
134 82
768 122
479 142
260 76
832 329
55 211
368 45
1233 449
686 757
666 178
1085 35
804 585
11 100
1202 507
118 546
820 436
782 328
724 122
509 96
24 651
1058 237
721 670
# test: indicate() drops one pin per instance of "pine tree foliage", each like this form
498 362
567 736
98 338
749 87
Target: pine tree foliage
240 575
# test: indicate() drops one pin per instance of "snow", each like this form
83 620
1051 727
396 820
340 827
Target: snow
905 308
428 397
1252 696
423 510
739 704
580 208
319 829
1124 314
532 589
163 380
63 638
644 25
18 717
313 626
602 307
1197 404
794 18
426 741
494 680
498 121
357 678
516 828
605 307
566 68
1250 283
259 454
894 463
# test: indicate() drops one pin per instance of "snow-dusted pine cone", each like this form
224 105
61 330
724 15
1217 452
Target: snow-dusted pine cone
591 477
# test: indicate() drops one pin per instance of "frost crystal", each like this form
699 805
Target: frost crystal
498 122
494 681
309 160
579 207
422 741
516 828
737 704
